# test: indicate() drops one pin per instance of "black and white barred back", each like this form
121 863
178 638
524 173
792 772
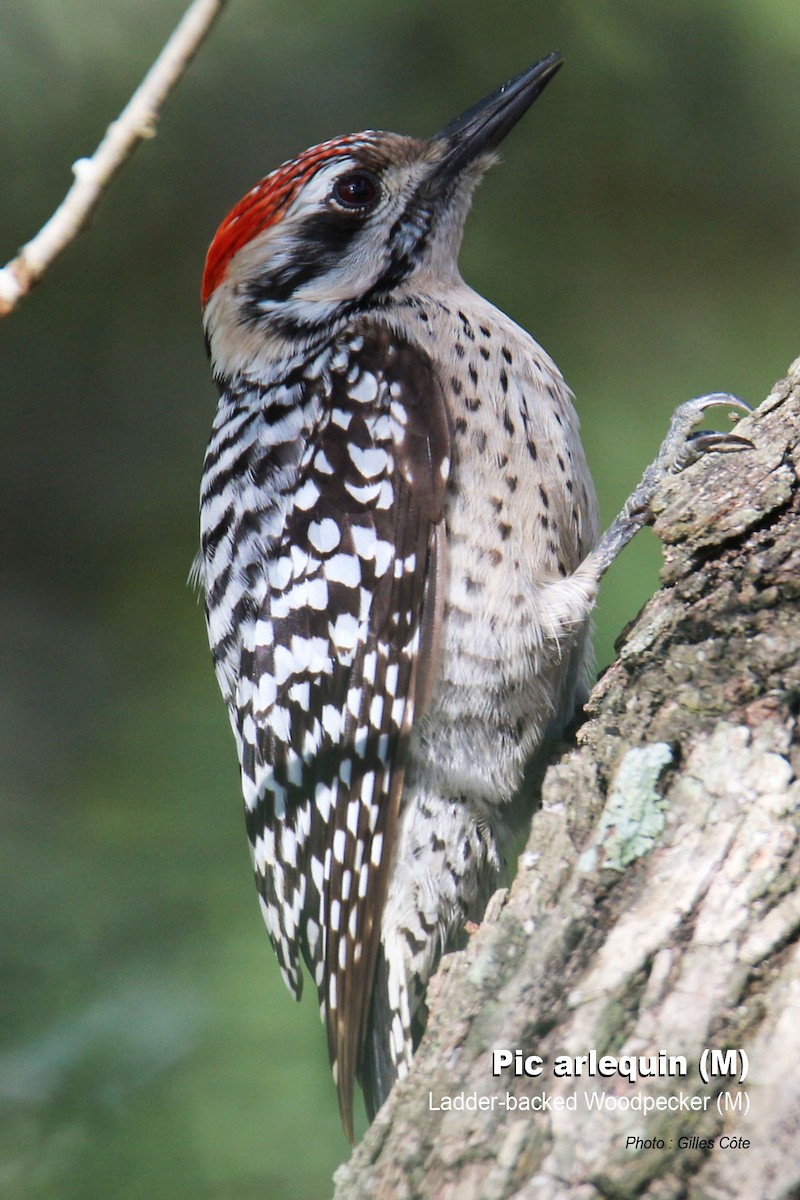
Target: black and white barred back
320 501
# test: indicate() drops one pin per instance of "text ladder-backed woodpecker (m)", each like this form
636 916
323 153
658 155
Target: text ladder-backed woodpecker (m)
399 558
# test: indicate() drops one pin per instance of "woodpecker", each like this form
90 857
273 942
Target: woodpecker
399 556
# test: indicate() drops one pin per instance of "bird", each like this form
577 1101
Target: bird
399 556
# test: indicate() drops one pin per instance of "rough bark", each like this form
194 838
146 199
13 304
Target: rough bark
656 905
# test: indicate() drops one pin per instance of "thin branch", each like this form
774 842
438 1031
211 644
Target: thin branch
93 175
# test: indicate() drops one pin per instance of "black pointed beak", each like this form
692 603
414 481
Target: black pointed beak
483 126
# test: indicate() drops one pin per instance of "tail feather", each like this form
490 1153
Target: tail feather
377 1069
397 1018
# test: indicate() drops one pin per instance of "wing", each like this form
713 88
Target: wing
340 658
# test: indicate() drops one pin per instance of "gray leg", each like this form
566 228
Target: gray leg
679 450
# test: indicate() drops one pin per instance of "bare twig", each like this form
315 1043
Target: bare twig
93 175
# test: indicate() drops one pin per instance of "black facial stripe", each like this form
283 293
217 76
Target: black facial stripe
416 217
325 239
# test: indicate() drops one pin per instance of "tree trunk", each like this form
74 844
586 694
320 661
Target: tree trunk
656 907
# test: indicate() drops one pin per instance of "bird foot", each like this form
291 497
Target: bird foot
491 913
680 448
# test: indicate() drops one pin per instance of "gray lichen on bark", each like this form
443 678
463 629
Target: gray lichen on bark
657 905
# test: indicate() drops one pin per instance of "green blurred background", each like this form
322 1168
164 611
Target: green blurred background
644 226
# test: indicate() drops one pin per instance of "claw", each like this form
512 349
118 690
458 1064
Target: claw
695 445
680 448
700 443
716 400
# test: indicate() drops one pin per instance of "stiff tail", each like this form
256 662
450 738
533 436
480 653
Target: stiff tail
377 1068
397 1019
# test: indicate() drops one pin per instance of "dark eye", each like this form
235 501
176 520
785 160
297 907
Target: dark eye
357 189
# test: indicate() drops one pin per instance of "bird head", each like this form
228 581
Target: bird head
347 223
